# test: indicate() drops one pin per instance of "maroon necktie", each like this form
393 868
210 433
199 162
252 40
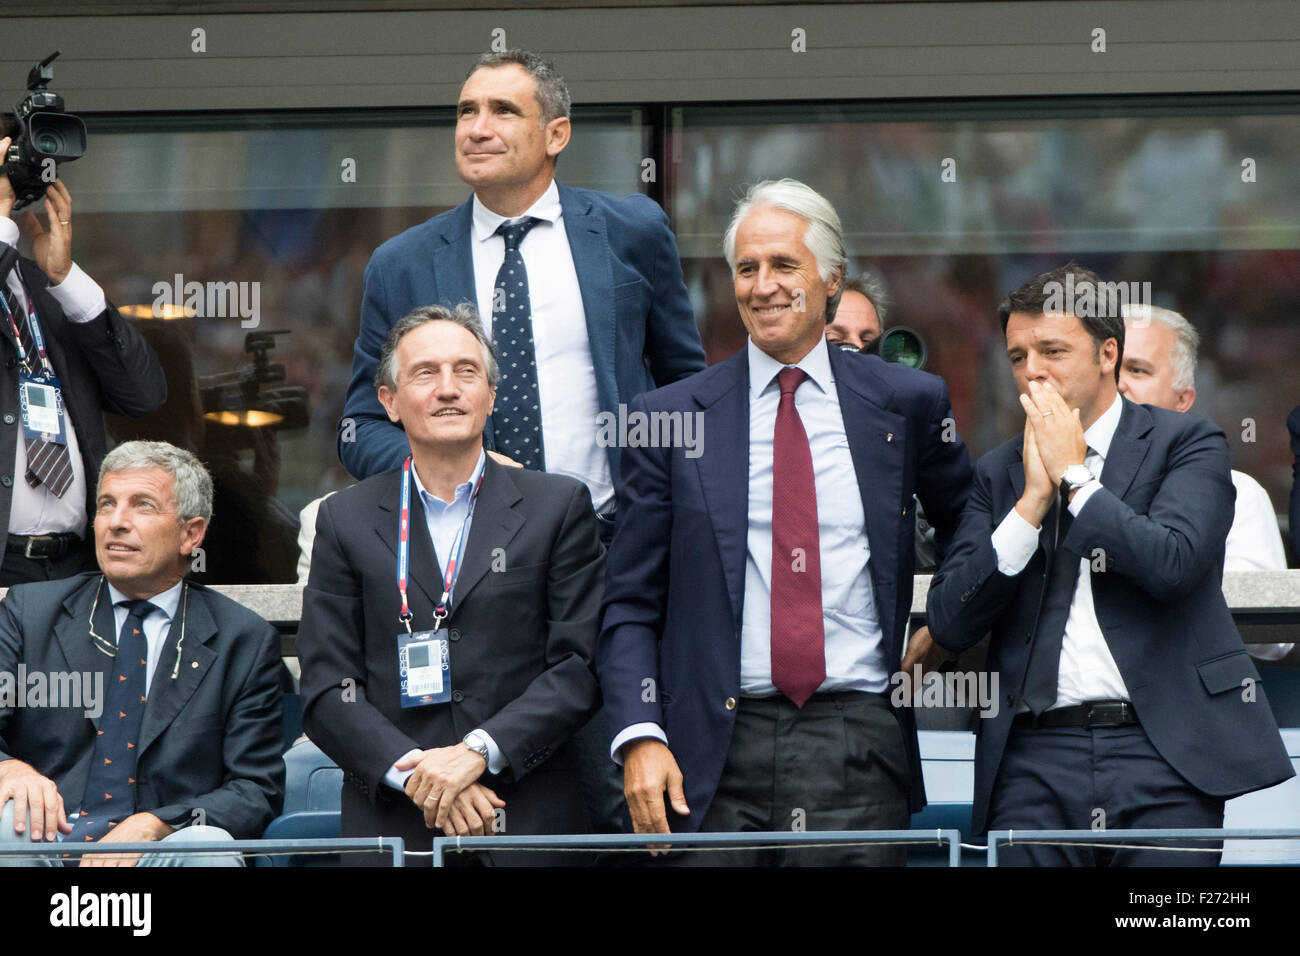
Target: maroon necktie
798 636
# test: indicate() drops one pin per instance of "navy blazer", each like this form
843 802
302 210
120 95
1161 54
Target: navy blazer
676 569
1158 524
639 320
210 740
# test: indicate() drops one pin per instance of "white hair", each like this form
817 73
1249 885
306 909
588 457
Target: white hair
1186 338
193 484
825 235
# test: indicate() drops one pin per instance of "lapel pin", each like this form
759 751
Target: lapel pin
889 436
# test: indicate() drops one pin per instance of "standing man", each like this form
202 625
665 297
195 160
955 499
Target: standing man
178 738
759 584
1159 369
1092 547
581 292
69 358
451 614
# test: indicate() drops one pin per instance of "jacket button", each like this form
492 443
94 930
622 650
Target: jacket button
729 703
1011 699
455 634
457 696
6 481
9 419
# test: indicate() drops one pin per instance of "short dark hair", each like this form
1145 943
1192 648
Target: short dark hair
872 287
465 315
551 91
1049 288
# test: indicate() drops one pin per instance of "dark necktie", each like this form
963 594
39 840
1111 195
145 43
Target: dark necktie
109 797
1045 654
798 633
517 415
48 462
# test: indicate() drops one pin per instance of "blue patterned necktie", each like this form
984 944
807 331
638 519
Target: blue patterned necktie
110 786
517 416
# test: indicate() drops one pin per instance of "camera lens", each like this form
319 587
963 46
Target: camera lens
904 346
48 142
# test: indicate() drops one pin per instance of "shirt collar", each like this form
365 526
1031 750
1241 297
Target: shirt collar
165 602
1101 433
547 208
763 369
462 490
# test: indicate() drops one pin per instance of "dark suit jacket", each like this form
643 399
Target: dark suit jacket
103 365
1160 521
639 319
675 586
211 737
522 635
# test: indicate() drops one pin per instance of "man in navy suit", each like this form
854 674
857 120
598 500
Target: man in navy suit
608 313
1092 547
760 578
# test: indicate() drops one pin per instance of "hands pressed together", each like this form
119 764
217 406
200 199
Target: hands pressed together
1053 442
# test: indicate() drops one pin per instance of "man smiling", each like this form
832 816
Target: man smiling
449 697
758 592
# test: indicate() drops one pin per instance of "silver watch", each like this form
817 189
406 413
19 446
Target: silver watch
476 743
1076 476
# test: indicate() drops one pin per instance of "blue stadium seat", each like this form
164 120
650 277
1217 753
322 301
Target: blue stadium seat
948 765
313 784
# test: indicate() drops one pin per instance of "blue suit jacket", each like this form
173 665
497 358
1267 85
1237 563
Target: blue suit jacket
639 319
1160 521
676 569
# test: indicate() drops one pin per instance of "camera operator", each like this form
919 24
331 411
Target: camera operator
68 357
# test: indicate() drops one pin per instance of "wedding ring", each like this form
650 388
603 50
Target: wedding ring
64 222
1045 414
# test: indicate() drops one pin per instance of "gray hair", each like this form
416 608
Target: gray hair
551 91
871 285
465 315
1186 338
824 238
193 484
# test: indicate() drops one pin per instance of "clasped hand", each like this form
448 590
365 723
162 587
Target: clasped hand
444 786
1053 442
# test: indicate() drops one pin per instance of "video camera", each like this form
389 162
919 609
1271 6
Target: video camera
45 135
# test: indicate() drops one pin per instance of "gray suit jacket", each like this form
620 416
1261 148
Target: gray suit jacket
211 736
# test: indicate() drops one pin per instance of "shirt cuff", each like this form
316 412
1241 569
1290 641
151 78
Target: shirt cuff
8 231
635 732
1082 495
80 296
1015 540
397 778
496 759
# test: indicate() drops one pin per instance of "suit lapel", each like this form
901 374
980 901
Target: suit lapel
495 524
724 468
73 632
453 258
585 229
190 630
1128 449
877 444
424 572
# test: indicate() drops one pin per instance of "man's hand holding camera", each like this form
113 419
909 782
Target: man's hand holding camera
52 247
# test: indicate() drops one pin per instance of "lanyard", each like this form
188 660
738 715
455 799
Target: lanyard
35 326
404 551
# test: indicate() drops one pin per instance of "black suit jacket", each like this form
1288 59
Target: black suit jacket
522 637
1159 524
102 365
211 736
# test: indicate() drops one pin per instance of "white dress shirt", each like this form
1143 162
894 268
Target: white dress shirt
35 510
444 519
1255 544
157 623
1087 669
854 643
566 377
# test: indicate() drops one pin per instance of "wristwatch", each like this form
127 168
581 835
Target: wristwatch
1076 476
475 742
